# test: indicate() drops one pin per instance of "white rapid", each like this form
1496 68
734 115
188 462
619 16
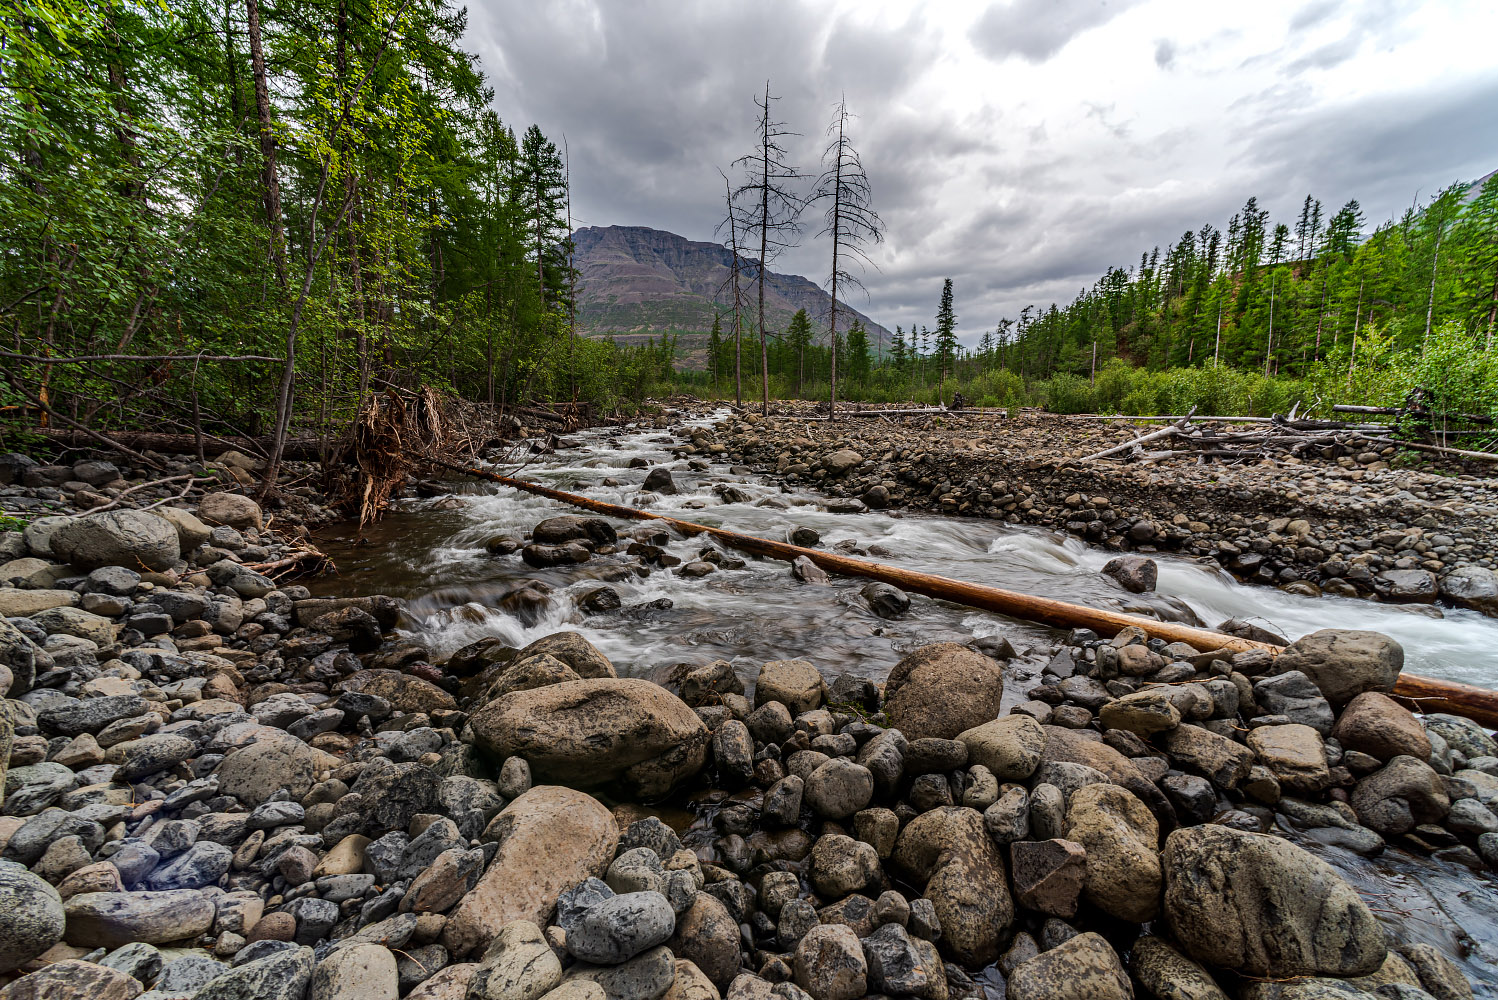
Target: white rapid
432 552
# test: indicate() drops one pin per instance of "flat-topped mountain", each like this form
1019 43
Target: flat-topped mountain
638 281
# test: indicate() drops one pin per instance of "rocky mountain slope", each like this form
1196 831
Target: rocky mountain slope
636 280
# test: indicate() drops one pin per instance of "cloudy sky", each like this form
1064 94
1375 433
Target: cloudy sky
1019 147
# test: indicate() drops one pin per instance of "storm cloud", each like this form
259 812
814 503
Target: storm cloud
1020 148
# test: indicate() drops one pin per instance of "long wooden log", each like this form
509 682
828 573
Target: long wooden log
1423 693
1044 610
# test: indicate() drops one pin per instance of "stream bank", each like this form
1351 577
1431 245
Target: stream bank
479 794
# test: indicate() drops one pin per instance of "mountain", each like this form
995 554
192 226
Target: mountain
639 281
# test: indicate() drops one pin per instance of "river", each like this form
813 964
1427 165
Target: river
431 552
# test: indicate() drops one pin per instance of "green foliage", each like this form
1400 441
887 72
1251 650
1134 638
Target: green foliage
421 241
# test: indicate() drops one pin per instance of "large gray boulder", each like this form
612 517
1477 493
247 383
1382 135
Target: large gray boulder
943 690
131 538
31 917
1344 663
605 731
1261 906
1402 794
1472 587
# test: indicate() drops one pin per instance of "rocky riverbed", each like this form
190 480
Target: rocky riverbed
1353 525
219 786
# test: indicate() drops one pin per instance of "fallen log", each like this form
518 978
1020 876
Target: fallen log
1423 694
297 449
1479 456
1171 431
1044 610
1428 694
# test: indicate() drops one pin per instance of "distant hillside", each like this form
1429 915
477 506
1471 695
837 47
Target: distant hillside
638 281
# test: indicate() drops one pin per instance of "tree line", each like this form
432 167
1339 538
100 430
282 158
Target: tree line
1254 316
240 217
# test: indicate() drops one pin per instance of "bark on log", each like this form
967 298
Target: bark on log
299 449
1424 694
1428 694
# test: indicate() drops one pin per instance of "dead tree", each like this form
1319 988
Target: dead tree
850 222
732 285
773 213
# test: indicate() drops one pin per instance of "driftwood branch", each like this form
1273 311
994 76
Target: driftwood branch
1164 432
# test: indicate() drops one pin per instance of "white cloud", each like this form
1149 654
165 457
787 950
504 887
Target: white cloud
1019 148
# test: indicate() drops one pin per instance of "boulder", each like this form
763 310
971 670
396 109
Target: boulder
1165 972
191 532
708 936
644 977
942 690
1083 966
948 850
885 600
1135 574
550 839
1121 838
262 769
1472 587
659 480
1344 663
830 965
1010 747
405 692
73 979
1261 906
842 462
356 972
281 975
517 965
31 916
1295 696
110 919
1142 712
131 538
1294 754
233 509
796 684
616 929
1399 796
572 649
589 733
25 603
1069 746
1377 725
839 788
1048 875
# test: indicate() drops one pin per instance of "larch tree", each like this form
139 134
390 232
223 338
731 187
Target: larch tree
849 223
770 212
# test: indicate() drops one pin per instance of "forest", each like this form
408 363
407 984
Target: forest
242 217
1248 320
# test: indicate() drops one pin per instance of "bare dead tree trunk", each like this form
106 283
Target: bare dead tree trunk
733 249
837 234
764 237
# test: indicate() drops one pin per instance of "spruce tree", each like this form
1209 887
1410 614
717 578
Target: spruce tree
946 338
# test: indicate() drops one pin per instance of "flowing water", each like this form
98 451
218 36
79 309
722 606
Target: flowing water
431 552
